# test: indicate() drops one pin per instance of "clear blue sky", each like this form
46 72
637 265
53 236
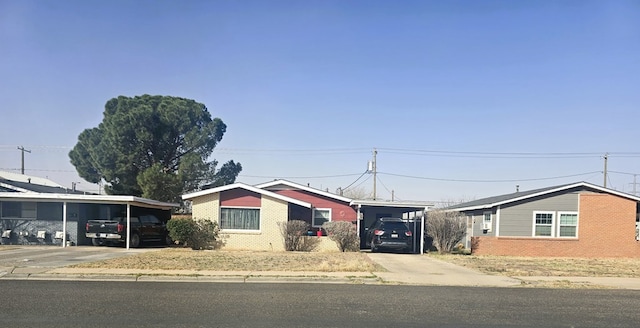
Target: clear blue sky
309 88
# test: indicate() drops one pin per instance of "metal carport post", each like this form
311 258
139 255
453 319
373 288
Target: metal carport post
128 223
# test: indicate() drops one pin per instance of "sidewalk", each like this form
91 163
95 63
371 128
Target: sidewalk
405 269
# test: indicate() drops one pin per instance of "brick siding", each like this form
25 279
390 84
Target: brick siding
606 228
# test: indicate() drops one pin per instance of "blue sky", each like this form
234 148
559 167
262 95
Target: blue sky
445 90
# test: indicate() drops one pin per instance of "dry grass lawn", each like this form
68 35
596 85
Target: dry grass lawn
186 259
561 267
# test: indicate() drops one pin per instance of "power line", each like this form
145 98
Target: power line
505 180
298 177
347 187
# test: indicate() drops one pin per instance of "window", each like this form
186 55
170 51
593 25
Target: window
486 221
543 224
21 210
320 216
568 224
240 218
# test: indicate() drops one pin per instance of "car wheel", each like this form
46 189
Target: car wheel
373 247
96 242
167 240
134 240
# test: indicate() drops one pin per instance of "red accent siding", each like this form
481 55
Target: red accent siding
606 228
240 197
340 211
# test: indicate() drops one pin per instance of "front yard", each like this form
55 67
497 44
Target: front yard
560 267
186 259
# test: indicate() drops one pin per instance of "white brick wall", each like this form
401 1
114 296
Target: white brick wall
268 238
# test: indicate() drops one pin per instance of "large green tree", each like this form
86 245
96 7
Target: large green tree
153 146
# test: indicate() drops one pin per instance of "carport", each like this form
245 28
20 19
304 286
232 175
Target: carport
413 213
35 208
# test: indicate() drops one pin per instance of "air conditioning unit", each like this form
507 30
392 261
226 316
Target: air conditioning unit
486 225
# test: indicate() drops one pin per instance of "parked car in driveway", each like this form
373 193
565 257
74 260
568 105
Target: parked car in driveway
114 231
389 233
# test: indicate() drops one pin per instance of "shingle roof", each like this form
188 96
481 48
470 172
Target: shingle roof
521 195
6 185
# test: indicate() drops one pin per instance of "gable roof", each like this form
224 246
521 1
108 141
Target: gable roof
293 185
490 202
245 187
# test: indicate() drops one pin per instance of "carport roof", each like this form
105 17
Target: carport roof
112 199
383 203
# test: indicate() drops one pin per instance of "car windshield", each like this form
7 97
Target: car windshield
394 225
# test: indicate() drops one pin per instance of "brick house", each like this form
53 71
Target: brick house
572 220
249 216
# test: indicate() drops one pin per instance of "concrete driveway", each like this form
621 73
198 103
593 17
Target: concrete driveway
38 259
423 270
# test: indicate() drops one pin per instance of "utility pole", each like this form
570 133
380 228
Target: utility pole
375 169
606 157
23 150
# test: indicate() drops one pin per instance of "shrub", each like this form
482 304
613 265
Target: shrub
446 228
194 233
295 237
344 234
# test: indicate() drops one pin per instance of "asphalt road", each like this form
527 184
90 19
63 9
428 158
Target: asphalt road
154 304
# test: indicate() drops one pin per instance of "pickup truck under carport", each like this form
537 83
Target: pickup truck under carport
146 228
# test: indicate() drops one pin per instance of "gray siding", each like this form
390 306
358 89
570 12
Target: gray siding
516 220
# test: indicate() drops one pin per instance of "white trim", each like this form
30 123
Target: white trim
559 224
553 223
245 187
566 187
313 215
302 187
497 233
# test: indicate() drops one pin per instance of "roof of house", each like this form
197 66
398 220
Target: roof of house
490 202
293 185
20 186
111 199
28 178
245 187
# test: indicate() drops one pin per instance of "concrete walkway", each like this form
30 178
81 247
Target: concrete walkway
423 270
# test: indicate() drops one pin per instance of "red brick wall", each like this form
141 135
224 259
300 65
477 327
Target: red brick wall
606 228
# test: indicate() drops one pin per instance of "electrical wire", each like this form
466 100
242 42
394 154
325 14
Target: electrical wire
347 187
505 180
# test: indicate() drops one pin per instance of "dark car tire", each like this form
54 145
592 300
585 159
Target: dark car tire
374 249
96 242
134 240
167 240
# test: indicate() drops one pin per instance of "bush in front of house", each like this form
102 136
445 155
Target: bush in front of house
295 236
446 228
343 234
194 233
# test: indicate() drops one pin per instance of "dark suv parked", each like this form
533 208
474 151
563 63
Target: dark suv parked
389 233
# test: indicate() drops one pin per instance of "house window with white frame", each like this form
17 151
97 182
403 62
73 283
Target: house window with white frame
567 224
239 218
486 221
543 224
320 216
